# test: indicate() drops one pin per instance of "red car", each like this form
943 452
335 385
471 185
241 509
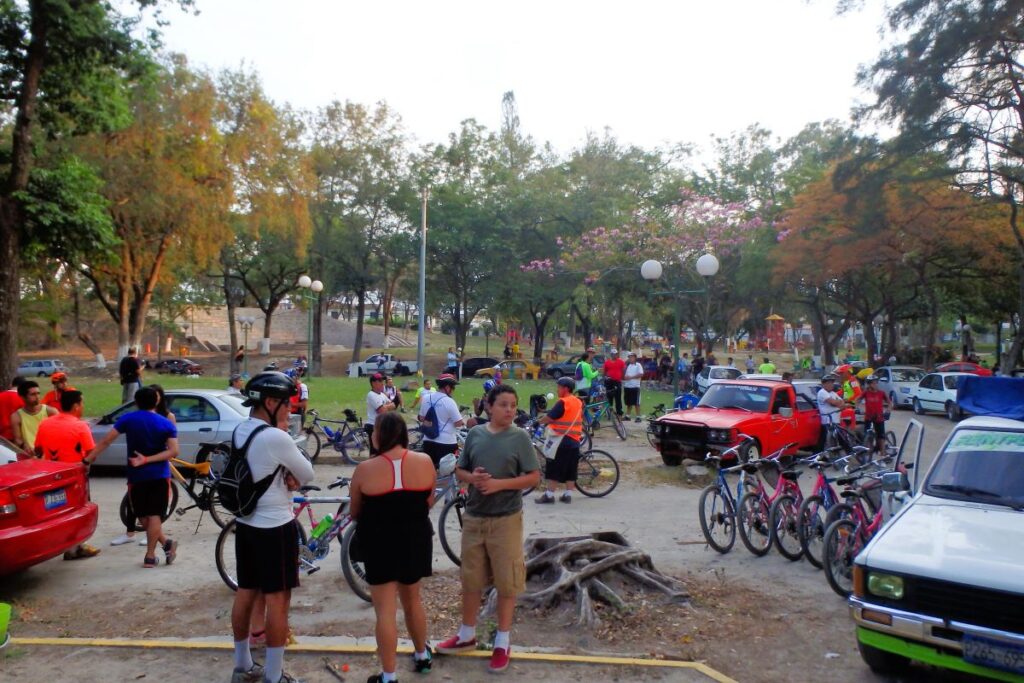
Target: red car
770 411
44 509
964 366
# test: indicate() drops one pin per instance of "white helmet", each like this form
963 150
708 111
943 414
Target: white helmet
447 465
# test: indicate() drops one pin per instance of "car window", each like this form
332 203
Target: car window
705 372
752 398
986 466
192 409
926 383
781 400
234 401
803 404
907 375
951 381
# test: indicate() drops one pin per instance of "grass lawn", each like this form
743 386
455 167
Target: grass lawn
329 395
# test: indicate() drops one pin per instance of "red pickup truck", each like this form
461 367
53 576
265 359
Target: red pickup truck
771 411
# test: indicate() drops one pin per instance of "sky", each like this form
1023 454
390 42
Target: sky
653 73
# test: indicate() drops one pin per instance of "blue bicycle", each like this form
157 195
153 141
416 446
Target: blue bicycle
347 439
717 507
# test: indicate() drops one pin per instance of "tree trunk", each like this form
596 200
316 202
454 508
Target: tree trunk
870 339
357 345
539 326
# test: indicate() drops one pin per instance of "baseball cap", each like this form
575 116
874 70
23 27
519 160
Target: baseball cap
615 352
376 377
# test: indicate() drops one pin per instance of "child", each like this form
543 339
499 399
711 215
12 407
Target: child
876 404
498 462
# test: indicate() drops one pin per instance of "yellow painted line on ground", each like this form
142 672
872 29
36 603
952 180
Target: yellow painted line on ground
371 649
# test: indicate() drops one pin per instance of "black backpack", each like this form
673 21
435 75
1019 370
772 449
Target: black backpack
237 490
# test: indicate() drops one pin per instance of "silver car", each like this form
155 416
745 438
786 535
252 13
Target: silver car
41 368
898 382
203 416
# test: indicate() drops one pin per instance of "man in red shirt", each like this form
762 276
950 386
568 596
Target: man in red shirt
10 402
66 437
876 403
614 368
60 385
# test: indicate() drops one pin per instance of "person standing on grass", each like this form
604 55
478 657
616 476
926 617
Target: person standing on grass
391 499
152 440
267 541
130 371
767 367
25 422
584 375
421 392
631 385
392 392
565 419
497 462
614 368
376 405
67 438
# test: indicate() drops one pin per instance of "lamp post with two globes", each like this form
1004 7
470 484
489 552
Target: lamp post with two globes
313 297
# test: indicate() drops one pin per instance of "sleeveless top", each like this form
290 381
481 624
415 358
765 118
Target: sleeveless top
30 425
394 533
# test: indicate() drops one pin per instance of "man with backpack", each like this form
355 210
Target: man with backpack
264 467
584 375
439 417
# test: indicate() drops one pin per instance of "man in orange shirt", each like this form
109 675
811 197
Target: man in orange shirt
10 402
66 437
60 385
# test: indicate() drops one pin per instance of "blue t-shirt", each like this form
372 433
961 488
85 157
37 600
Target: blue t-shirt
147 433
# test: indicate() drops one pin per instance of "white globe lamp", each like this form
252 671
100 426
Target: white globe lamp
305 281
650 270
707 265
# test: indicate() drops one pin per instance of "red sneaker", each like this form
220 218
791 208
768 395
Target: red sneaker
499 660
453 645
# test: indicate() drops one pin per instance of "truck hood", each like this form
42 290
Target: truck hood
955 541
713 418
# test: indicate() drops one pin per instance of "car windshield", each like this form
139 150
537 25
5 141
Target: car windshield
724 373
752 398
235 402
907 375
984 466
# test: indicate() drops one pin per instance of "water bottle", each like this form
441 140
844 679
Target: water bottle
323 526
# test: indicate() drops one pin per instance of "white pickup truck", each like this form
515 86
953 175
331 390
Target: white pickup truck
943 582
382 362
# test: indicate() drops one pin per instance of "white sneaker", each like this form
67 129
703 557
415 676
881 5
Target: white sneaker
122 539
144 540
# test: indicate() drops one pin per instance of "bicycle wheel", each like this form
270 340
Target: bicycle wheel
620 428
355 572
312 444
650 435
812 529
784 521
129 520
585 441
220 514
449 528
597 474
717 519
841 545
752 512
354 447
838 511
224 553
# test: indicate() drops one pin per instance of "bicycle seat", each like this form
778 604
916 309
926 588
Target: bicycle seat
307 489
850 493
791 475
846 481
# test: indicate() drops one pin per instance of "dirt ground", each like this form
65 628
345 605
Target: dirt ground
754 619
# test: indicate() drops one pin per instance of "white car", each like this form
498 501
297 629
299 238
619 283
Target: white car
898 381
936 392
713 374
41 368
942 581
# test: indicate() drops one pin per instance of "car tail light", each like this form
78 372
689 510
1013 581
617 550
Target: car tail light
7 506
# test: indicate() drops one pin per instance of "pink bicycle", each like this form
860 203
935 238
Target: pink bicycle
754 509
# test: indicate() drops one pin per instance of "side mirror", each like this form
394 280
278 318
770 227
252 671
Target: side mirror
895 482
786 412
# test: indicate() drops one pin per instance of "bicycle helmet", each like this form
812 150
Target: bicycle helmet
446 380
488 385
829 378
567 382
871 378
269 385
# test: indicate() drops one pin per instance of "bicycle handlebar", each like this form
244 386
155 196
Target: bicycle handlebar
342 481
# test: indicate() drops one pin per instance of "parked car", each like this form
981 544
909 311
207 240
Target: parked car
471 365
41 368
178 366
567 368
383 362
964 366
712 374
511 369
942 582
898 381
772 412
936 392
44 509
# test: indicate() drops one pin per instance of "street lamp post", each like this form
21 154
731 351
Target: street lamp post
315 287
246 322
707 266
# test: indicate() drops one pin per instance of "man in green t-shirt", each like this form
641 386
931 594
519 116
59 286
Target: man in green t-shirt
767 367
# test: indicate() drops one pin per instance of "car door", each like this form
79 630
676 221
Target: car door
703 380
930 387
950 383
782 427
117 453
197 421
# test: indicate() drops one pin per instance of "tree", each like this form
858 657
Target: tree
64 63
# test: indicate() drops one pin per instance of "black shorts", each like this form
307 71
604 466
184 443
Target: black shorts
436 450
566 463
631 395
369 439
879 427
150 498
267 559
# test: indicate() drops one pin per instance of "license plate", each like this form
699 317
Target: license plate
904 390
55 499
993 653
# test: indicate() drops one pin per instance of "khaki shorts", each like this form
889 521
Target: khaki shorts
492 554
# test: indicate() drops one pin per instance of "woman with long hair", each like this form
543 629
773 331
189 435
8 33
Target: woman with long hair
161 404
391 498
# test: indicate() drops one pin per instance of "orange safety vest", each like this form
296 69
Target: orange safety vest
571 422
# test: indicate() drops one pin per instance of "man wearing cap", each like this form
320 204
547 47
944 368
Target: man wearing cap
632 375
829 403
60 385
614 369
376 405
235 384
565 419
448 417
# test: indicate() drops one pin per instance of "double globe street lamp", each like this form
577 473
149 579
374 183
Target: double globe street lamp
314 287
707 267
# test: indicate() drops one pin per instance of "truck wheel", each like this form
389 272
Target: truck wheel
672 460
882 662
750 451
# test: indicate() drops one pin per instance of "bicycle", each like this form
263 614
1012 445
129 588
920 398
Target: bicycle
652 417
597 474
870 440
199 482
349 440
720 515
594 411
754 508
846 537
312 550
